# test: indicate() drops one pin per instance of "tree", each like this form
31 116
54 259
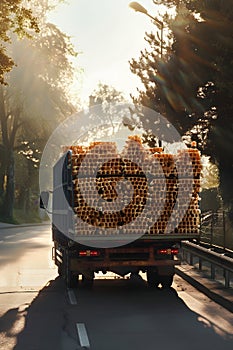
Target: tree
210 174
192 84
105 94
34 101
14 17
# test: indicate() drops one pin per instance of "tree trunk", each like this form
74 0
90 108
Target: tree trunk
2 178
8 201
2 169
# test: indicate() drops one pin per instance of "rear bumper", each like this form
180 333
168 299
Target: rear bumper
77 264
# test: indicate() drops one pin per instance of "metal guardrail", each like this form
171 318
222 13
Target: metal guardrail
191 250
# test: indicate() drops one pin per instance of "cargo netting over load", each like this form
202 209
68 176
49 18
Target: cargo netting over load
96 193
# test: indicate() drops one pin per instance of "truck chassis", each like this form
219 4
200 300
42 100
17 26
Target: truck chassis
75 260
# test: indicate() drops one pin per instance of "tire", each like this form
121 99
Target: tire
153 279
87 282
71 280
166 281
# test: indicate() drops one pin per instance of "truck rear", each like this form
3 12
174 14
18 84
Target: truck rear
124 212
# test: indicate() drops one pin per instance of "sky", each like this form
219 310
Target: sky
108 34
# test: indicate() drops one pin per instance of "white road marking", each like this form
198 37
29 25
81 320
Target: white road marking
72 297
83 337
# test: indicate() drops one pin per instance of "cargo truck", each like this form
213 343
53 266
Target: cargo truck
154 252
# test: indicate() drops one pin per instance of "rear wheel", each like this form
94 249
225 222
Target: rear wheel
87 282
166 281
152 278
71 280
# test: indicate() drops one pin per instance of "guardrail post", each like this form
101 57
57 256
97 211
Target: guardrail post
224 230
183 255
212 230
200 264
190 258
227 278
212 272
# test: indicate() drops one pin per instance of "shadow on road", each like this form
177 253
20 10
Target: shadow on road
44 319
119 315
8 320
134 315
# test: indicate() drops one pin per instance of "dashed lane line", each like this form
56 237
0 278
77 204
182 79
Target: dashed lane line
72 297
81 329
82 334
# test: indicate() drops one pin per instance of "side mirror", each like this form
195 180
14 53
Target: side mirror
44 199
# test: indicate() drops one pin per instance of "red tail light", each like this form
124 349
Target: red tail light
84 253
95 253
163 251
89 253
169 251
175 251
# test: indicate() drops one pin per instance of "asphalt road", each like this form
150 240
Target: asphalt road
38 313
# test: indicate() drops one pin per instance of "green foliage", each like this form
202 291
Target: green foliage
35 99
16 18
210 200
191 85
210 175
105 94
22 217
